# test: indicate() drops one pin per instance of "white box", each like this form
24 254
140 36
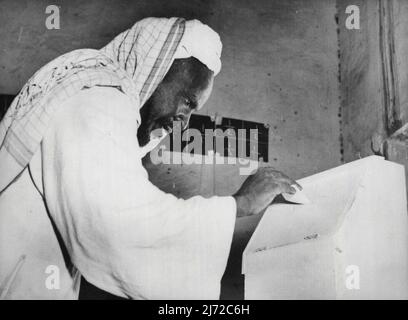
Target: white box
350 242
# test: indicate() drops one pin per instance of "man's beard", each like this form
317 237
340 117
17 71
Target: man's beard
155 129
143 134
152 126
146 116
150 139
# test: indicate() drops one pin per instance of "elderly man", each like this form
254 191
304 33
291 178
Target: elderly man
75 198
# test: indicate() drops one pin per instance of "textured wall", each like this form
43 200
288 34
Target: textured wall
361 82
365 71
279 67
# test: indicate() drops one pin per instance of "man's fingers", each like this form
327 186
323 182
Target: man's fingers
285 183
292 190
297 185
285 187
290 181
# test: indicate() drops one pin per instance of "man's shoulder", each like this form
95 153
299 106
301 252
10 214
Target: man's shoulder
98 110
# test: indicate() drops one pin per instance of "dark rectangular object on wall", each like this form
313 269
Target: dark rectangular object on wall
229 128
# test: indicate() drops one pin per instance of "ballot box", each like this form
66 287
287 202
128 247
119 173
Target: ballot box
349 242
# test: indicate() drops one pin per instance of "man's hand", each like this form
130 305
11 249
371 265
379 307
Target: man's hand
259 190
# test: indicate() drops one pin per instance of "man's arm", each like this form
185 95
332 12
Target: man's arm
124 234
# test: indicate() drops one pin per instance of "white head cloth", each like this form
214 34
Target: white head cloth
201 42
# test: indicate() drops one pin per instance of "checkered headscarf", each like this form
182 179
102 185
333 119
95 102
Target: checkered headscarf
135 62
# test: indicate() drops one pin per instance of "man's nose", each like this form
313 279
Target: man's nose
184 120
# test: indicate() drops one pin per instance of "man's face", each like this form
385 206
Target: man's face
185 89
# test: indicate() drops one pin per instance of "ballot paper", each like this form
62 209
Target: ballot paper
299 197
349 242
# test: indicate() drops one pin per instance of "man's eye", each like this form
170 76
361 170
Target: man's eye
190 103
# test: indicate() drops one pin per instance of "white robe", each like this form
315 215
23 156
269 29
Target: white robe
122 233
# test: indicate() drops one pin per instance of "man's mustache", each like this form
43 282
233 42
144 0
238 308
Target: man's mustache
169 124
